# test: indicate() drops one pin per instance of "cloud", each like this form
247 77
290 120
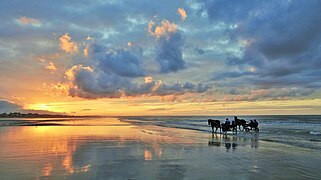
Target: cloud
281 40
120 72
160 109
164 29
29 21
8 107
91 84
169 53
269 94
86 51
122 62
170 42
182 13
51 66
67 45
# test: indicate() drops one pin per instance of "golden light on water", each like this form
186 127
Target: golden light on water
148 155
58 145
46 171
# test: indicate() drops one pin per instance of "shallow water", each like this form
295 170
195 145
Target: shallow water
153 148
301 131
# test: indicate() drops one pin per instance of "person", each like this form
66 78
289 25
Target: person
233 121
255 124
233 124
251 124
227 122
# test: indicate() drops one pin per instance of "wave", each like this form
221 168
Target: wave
315 133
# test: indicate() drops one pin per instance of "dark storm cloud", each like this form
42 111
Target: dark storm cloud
281 40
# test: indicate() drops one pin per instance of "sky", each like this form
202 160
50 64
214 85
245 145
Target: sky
169 57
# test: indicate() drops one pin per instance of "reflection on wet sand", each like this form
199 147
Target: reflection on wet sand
72 149
46 171
119 150
229 142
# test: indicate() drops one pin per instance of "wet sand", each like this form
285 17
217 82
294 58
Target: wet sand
107 148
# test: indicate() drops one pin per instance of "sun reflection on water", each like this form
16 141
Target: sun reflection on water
46 170
63 149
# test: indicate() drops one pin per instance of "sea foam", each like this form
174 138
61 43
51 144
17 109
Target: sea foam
315 133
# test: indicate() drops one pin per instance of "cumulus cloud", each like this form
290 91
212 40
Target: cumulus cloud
67 45
280 40
182 13
91 85
169 53
120 72
164 29
170 42
70 73
122 62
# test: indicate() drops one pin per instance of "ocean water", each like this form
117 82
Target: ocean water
300 130
287 147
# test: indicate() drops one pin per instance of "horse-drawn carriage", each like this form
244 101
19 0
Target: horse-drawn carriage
233 127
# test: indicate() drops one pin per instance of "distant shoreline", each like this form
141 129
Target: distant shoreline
36 115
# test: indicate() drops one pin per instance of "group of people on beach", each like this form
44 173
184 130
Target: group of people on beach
233 124
253 123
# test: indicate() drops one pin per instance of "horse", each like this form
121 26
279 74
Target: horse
226 127
240 122
252 125
214 123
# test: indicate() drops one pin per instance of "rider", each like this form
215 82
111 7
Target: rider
233 124
255 124
232 121
251 124
227 122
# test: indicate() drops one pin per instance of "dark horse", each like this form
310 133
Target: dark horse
240 122
226 127
253 124
214 123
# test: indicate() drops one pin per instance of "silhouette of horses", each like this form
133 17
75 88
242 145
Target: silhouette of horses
252 125
240 122
214 123
232 127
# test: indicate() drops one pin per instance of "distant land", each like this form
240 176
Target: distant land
36 115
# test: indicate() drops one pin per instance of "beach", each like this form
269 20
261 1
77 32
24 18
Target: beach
154 148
